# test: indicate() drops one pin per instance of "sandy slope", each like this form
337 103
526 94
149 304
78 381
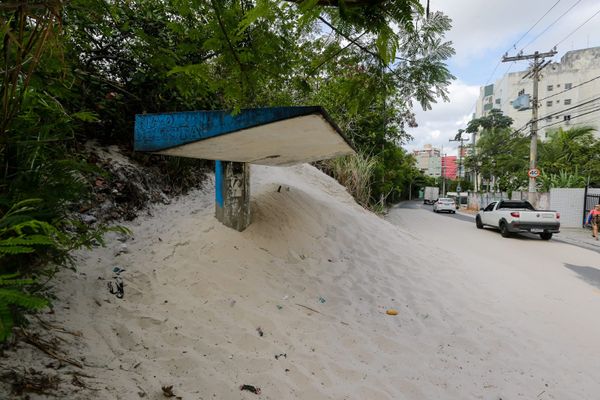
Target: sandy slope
196 294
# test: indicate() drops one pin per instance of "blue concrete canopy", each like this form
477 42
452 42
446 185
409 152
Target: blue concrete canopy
272 136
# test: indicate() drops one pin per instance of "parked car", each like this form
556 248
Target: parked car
510 216
444 204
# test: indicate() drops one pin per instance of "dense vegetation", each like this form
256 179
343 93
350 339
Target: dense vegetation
81 69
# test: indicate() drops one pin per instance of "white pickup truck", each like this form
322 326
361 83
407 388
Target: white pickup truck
510 216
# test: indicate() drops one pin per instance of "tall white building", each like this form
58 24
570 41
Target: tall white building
563 86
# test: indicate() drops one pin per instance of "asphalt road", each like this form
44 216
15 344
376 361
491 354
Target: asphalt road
457 233
547 292
418 205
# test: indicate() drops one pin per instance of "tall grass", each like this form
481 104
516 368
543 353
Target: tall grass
355 173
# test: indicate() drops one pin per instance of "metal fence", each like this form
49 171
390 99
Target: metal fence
589 201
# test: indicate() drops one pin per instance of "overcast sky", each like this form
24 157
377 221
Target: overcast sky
482 32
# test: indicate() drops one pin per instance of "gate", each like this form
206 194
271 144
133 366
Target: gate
589 201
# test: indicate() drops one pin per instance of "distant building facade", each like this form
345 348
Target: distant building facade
429 160
449 167
563 86
432 163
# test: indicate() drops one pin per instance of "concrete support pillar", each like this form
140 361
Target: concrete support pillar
232 181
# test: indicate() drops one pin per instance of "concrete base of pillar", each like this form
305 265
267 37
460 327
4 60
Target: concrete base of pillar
232 181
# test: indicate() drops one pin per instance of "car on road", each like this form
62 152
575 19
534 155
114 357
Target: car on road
444 204
517 216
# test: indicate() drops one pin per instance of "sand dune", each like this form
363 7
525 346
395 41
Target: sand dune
295 305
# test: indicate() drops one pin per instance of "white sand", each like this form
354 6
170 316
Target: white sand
196 292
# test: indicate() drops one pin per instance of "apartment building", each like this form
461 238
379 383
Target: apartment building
429 160
432 163
449 167
568 92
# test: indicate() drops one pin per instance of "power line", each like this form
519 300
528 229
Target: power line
571 118
493 72
552 24
506 72
569 115
534 25
576 29
586 102
514 45
521 129
571 88
567 109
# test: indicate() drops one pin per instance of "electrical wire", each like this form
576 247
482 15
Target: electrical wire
514 45
567 109
576 29
523 127
507 97
581 110
534 25
585 103
552 24
571 118
571 88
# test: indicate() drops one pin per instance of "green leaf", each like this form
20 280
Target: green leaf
86 116
21 299
262 9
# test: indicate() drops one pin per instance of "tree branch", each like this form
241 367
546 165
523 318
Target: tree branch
353 41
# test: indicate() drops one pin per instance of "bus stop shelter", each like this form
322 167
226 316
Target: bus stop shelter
276 136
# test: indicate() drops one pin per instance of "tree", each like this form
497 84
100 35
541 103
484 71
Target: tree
502 155
571 152
495 119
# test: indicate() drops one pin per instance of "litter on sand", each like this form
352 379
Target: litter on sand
250 388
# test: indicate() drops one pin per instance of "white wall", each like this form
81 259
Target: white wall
569 203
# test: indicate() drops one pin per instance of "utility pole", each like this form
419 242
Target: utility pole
442 171
537 65
459 138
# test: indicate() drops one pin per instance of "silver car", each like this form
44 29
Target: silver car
444 204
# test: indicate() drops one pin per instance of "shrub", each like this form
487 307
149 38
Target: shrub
355 173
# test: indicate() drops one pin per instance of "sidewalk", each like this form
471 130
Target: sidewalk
581 237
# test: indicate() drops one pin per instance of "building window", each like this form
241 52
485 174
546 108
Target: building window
488 90
549 88
567 118
549 103
497 101
567 102
548 118
568 86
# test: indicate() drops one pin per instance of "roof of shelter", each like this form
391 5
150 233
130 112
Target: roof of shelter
269 136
